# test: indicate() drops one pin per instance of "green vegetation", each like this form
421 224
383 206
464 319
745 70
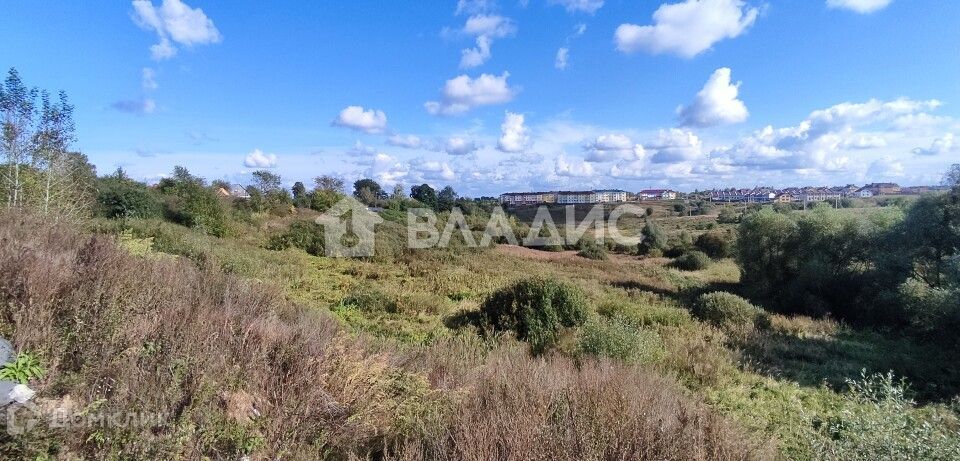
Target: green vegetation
22 369
728 310
692 261
535 310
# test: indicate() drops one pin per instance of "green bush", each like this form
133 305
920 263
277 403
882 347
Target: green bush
591 250
368 298
653 238
715 244
119 197
878 421
693 261
305 235
535 310
728 310
617 339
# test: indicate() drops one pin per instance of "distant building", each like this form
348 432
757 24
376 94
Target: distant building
238 191
563 197
883 188
656 194
864 193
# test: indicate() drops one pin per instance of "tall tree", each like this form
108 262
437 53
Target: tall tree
368 191
17 114
52 141
424 194
327 183
446 199
267 181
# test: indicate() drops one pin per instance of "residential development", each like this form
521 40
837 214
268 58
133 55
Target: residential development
729 195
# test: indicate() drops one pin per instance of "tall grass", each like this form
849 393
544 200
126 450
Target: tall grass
238 370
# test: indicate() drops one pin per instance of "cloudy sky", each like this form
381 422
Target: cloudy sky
505 95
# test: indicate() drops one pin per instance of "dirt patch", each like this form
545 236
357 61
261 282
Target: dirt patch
530 253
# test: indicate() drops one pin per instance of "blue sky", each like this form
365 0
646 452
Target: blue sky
478 94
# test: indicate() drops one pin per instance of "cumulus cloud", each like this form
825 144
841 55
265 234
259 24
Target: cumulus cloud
406 141
360 149
485 28
357 118
610 147
939 146
461 94
514 135
459 145
387 170
142 106
821 142
560 62
885 167
688 28
716 103
575 168
423 170
257 159
676 145
174 22
579 6
859 6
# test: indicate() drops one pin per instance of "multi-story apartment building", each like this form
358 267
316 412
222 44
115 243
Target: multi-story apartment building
563 197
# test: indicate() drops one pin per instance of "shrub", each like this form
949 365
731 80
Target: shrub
369 298
535 310
728 310
591 250
878 421
305 235
692 261
715 244
119 197
653 238
728 216
617 339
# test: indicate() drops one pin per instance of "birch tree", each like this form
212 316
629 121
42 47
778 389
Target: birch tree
17 113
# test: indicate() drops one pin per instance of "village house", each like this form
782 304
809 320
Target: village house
883 188
656 194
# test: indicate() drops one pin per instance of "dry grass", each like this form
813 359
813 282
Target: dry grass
121 333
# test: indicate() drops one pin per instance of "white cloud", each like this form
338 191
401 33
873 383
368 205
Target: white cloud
609 147
561 60
360 149
142 106
431 171
688 28
885 167
461 94
174 22
357 118
716 103
148 79
257 159
459 145
676 145
406 141
485 28
939 146
576 168
824 140
579 29
579 6
514 135
859 6
387 170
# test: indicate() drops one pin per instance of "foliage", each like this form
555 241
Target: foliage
728 216
22 369
617 339
425 195
189 202
692 261
878 421
305 235
715 244
368 191
653 237
121 197
728 310
535 310
590 249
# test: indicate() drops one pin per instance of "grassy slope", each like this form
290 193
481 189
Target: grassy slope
774 382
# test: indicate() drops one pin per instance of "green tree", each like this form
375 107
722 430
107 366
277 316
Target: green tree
301 198
368 191
446 199
424 194
653 237
118 196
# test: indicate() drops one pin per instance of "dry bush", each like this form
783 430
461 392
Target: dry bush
119 333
